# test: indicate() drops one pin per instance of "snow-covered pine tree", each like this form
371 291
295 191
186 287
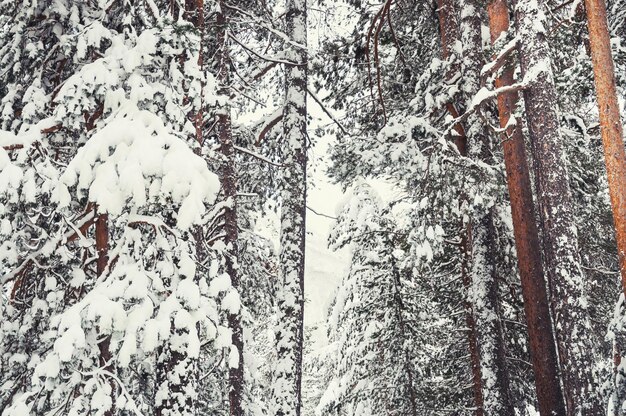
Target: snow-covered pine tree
480 236
102 99
287 382
379 360
410 152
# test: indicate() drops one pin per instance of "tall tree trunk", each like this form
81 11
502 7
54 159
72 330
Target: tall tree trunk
228 176
290 331
449 33
610 121
560 237
612 133
483 293
536 306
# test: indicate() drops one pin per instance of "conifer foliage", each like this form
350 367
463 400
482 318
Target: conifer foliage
158 171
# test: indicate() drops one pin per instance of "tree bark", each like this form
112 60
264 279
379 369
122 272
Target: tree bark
102 260
449 33
483 292
228 176
536 306
290 332
610 121
560 236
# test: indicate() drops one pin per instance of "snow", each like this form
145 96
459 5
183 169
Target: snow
134 161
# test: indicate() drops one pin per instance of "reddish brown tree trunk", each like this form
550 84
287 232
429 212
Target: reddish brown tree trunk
228 176
449 34
536 306
102 261
560 236
610 121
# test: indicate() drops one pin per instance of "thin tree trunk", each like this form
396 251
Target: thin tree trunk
228 176
483 293
290 331
408 365
449 33
102 253
610 121
560 237
536 306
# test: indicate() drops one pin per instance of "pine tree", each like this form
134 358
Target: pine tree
109 116
560 239
287 395
544 356
385 325
449 34
480 238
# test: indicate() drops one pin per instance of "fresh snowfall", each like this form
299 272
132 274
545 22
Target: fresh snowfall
312 208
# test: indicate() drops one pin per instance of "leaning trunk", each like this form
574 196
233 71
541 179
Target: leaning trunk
560 237
611 130
290 331
536 307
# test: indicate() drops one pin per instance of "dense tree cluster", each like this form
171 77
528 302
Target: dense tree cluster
145 144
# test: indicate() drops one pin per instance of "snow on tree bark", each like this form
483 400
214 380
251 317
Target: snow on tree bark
560 236
536 306
228 178
287 383
610 121
449 34
483 291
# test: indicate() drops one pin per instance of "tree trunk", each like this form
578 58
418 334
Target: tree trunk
408 365
228 176
449 33
290 331
102 253
536 306
560 237
483 294
610 121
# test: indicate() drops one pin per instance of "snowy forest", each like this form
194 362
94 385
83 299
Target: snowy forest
312 207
